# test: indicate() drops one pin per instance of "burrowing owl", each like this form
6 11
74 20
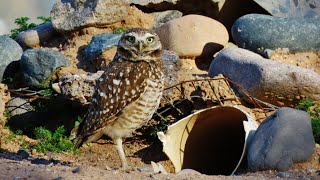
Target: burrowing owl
129 91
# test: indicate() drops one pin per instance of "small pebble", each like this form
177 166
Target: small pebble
267 53
58 178
76 170
145 169
284 175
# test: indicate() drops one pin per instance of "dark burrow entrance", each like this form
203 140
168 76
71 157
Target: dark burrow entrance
216 142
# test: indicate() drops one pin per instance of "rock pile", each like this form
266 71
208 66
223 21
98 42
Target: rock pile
81 32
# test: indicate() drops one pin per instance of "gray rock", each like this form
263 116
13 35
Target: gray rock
68 15
10 51
24 154
265 79
283 138
17 106
58 178
258 32
99 43
172 64
291 8
76 170
38 65
162 17
79 87
145 169
35 36
43 161
284 175
22 114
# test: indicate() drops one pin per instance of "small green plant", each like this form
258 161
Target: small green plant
46 92
54 142
7 115
120 30
162 126
314 110
23 25
44 85
19 132
44 19
78 121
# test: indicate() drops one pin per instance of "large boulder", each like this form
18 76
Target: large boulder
291 8
10 51
38 65
193 35
68 15
268 80
283 138
258 32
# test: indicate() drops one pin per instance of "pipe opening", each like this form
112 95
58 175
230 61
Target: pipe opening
216 141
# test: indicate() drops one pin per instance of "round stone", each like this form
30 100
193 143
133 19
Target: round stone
193 35
258 32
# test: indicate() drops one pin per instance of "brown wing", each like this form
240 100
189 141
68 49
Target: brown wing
121 84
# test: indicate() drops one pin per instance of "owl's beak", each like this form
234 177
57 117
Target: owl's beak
140 46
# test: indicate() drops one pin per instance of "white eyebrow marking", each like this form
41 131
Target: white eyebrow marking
143 37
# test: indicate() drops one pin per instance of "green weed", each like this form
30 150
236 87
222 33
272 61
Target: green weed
120 30
46 92
162 126
23 25
54 142
314 110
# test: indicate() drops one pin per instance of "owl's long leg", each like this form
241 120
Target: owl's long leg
119 147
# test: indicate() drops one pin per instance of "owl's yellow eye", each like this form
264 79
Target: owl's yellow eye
131 39
150 39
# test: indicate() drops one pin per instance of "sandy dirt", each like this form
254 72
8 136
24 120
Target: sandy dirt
309 60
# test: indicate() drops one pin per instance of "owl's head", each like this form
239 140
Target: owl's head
140 44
